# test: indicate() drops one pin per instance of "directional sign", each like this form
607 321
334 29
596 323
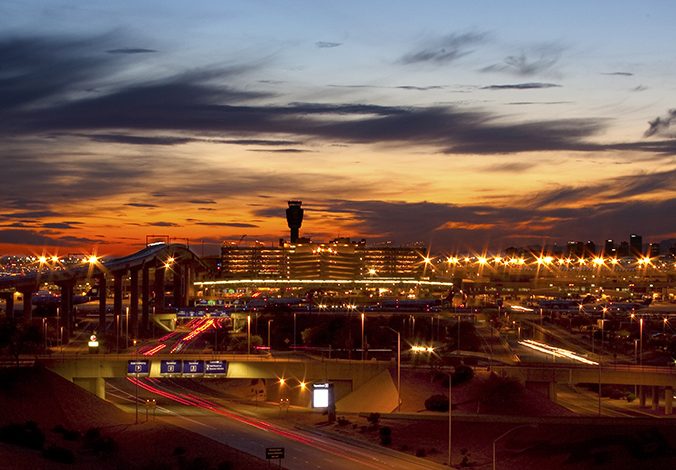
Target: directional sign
215 367
274 453
193 367
171 367
138 367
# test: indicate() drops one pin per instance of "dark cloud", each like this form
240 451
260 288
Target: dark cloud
524 66
261 142
521 86
29 214
448 226
444 50
621 74
614 189
660 125
30 237
639 88
327 45
130 50
227 224
60 225
201 201
510 167
141 204
538 102
419 88
279 150
141 140
162 224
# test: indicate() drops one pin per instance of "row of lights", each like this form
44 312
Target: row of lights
539 260
90 259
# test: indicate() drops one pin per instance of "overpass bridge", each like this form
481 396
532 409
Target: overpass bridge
359 386
154 262
544 378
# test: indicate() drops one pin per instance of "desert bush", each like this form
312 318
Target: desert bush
25 435
421 452
385 436
373 419
342 421
437 403
59 454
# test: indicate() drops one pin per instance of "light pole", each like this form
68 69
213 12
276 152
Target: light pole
362 337
503 435
398 365
450 408
269 344
126 327
294 331
248 335
136 381
640 357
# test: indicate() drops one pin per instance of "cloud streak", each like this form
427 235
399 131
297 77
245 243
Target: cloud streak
444 50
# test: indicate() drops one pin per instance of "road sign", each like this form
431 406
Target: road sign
138 367
193 367
171 367
215 367
274 453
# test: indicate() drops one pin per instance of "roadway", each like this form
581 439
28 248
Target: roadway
202 413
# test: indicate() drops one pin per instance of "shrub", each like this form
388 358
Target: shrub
462 374
94 441
59 454
437 403
25 435
374 419
385 436
421 452
68 434
630 397
342 421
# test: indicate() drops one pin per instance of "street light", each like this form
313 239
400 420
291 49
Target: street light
504 434
269 344
294 331
248 335
136 381
398 365
640 322
362 337
450 407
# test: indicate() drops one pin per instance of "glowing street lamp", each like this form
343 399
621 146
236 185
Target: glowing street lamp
248 335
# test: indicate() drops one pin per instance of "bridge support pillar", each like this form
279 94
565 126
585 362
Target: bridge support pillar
159 289
189 288
95 385
117 306
27 295
9 304
668 400
178 286
67 310
641 396
655 398
133 303
145 299
547 389
102 303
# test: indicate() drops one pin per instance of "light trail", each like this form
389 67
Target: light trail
155 350
192 400
557 352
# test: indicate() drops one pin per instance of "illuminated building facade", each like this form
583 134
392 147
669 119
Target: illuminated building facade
338 259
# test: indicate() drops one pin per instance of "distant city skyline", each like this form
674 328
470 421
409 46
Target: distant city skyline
490 125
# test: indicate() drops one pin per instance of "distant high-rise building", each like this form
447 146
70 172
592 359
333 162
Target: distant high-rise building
654 250
294 218
590 248
575 248
609 248
636 244
623 250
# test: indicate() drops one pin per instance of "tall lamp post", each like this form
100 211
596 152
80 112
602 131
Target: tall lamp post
398 365
136 381
640 356
269 344
450 407
248 335
504 434
362 337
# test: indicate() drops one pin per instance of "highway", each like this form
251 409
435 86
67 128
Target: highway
203 415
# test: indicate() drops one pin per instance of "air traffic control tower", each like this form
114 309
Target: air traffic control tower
294 217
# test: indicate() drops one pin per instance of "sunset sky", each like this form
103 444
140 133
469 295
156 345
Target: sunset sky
463 125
